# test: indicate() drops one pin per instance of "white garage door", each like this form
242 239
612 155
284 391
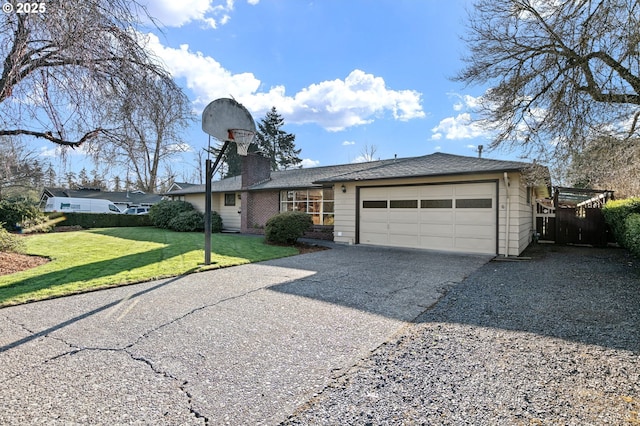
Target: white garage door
453 217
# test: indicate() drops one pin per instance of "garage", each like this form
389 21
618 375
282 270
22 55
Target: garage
460 217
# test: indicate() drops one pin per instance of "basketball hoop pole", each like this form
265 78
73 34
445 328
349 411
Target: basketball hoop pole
226 120
207 202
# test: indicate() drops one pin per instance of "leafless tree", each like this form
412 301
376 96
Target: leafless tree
147 130
20 169
607 163
561 72
198 173
58 66
368 152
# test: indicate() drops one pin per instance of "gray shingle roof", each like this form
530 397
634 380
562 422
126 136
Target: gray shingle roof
303 178
437 164
231 184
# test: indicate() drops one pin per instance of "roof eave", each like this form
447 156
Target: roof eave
420 176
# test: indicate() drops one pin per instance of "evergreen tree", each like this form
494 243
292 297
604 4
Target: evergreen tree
275 143
271 140
117 184
50 176
231 158
71 180
97 180
83 177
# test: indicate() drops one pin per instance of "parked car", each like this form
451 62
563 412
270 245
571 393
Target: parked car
137 210
80 205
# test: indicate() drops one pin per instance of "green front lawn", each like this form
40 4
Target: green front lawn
101 258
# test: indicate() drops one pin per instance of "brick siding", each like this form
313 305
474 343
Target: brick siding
260 207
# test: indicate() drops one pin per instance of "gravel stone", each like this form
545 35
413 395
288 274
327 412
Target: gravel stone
552 340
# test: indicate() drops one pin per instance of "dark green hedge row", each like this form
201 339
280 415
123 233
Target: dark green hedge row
623 216
102 220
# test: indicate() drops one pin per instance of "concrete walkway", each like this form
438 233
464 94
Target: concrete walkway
243 345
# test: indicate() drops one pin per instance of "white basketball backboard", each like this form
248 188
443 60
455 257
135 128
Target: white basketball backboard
225 114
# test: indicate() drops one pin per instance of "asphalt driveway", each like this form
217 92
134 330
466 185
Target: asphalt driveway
243 345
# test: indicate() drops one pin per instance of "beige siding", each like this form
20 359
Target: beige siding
197 200
230 214
520 223
344 227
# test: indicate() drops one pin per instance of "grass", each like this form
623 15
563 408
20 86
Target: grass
100 258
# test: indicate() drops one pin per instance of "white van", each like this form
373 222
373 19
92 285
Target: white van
80 205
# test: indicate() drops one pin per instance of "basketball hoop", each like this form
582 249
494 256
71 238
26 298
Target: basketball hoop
242 138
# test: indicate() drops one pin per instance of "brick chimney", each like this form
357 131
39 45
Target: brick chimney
255 169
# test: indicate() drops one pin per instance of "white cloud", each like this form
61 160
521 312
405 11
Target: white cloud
462 126
58 151
333 104
360 159
356 100
173 13
204 75
458 127
464 102
310 163
49 152
348 143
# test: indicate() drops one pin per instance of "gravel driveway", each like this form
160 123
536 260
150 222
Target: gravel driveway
554 340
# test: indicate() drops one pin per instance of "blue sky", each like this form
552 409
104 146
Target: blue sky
343 74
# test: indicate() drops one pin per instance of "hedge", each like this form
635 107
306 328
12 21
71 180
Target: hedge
102 220
632 233
616 213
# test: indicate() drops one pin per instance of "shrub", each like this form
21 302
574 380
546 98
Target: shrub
287 227
632 233
216 222
187 222
161 213
10 242
615 214
19 214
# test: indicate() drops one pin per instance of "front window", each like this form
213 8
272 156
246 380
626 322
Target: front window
230 199
316 202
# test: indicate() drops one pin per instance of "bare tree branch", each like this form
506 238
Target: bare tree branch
560 73
49 136
59 68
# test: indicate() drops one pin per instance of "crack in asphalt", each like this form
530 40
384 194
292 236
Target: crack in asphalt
182 386
74 349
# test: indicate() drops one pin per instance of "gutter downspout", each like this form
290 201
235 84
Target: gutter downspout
507 222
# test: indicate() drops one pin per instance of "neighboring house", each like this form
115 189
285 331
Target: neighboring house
437 201
181 185
122 199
